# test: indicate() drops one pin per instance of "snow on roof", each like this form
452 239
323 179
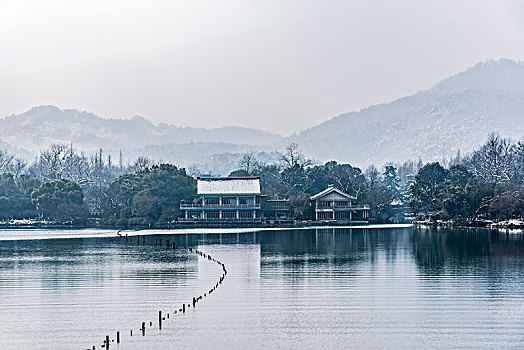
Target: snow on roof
329 190
228 185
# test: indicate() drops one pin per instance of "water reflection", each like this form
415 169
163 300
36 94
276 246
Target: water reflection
406 288
438 250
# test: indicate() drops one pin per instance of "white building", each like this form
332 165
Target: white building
333 204
225 199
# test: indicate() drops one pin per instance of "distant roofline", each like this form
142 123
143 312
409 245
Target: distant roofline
330 189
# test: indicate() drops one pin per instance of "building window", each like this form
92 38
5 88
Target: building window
211 201
212 215
327 216
324 204
246 215
342 215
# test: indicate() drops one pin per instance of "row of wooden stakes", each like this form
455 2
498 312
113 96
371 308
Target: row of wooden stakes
107 341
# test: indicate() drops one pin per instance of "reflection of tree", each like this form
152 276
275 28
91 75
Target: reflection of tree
436 250
328 248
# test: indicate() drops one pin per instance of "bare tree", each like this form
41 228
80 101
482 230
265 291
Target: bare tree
142 163
248 162
293 156
193 170
18 167
5 161
372 176
492 162
51 162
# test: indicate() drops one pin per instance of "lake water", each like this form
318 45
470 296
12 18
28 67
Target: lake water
377 288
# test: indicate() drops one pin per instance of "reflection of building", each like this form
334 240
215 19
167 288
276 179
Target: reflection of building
334 205
225 199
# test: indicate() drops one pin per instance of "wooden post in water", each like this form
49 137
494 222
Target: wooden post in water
143 328
107 342
183 308
118 337
160 319
138 239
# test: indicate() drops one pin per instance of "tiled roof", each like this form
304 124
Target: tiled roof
228 185
329 190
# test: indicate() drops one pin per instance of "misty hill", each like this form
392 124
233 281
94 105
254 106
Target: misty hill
41 126
457 113
207 157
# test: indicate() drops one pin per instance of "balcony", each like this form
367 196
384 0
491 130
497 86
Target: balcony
343 207
223 220
219 206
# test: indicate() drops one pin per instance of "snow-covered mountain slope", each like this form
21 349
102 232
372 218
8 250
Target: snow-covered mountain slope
457 113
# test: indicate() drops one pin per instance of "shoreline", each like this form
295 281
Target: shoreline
38 224
512 224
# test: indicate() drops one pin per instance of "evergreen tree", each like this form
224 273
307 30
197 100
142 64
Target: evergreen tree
61 200
151 196
391 180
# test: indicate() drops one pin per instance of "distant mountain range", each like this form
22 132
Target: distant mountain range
457 113
47 124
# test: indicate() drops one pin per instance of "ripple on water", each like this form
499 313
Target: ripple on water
377 288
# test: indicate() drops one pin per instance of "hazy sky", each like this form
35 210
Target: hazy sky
276 65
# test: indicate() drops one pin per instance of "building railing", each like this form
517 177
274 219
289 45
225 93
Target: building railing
349 207
219 206
223 220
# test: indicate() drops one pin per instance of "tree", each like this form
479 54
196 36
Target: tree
5 161
391 180
26 185
61 200
492 162
151 196
429 183
8 195
292 156
16 196
141 163
507 204
379 198
248 162
459 175
239 173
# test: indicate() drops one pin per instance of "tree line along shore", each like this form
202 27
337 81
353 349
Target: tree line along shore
63 186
